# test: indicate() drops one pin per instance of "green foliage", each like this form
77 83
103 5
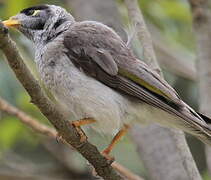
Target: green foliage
13 131
10 131
12 7
170 10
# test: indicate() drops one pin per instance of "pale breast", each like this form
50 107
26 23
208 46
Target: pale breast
82 96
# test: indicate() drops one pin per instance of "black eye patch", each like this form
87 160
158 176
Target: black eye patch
29 11
59 22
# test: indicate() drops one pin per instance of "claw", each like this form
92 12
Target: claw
110 159
79 123
83 137
58 137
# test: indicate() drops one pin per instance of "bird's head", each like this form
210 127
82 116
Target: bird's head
40 23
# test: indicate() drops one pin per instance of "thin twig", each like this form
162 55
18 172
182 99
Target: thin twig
126 172
27 120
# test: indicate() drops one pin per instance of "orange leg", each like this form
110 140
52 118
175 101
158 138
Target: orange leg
78 123
83 122
116 139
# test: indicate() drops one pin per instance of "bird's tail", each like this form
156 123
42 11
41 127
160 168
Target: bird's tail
205 134
201 128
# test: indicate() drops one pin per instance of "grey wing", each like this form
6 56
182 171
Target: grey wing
102 58
103 46
95 49
98 61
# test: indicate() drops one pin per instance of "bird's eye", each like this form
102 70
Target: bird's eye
29 13
35 12
32 12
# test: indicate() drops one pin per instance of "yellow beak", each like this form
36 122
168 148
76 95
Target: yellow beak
11 23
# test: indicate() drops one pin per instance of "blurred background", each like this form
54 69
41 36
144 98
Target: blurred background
26 155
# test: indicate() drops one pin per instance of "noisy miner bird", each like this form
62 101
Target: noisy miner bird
96 78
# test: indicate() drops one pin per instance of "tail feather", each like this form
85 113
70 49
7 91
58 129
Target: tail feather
196 124
204 132
205 118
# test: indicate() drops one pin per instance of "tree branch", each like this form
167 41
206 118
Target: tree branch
136 17
54 115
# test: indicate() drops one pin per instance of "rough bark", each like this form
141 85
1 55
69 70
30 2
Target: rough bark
202 28
54 115
162 155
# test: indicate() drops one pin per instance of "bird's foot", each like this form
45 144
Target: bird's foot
78 123
82 122
83 137
58 137
109 158
114 141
